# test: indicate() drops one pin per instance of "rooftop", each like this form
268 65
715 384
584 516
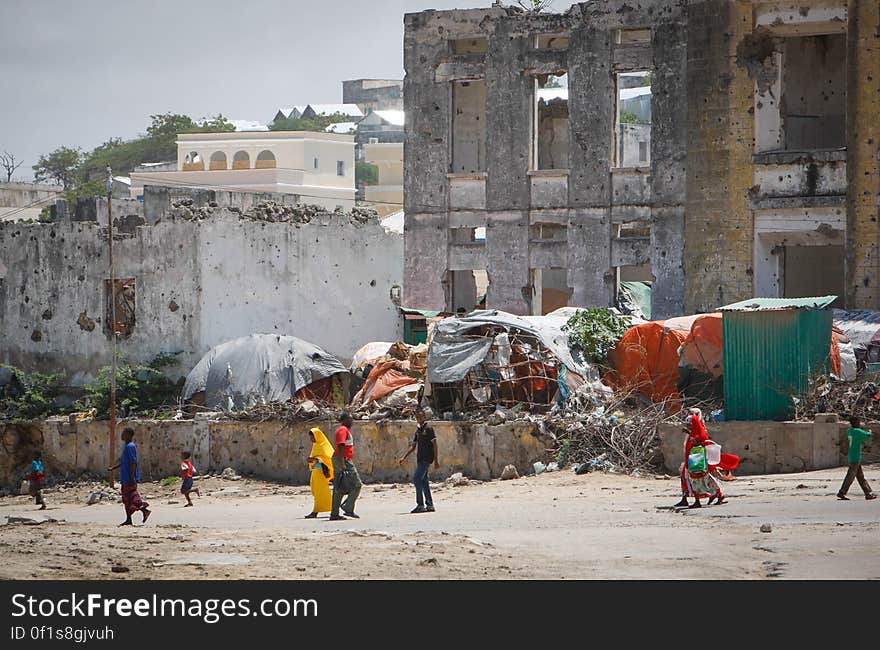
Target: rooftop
776 304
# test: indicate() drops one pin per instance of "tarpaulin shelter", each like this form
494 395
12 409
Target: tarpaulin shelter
685 356
263 368
646 357
491 356
862 328
701 363
401 365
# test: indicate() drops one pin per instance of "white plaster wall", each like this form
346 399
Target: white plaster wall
324 283
197 284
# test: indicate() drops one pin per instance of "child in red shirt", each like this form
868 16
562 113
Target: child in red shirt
187 471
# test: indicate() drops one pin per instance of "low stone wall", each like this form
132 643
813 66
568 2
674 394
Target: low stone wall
272 449
767 447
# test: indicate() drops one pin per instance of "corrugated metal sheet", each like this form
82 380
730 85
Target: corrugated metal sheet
770 356
772 304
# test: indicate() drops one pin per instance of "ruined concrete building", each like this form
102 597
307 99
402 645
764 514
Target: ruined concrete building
193 268
720 149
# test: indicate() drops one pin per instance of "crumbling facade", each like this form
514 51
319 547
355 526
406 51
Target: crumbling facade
193 268
720 149
783 142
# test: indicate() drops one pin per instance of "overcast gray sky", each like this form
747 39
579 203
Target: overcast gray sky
78 72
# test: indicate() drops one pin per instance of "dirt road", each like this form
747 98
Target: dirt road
555 525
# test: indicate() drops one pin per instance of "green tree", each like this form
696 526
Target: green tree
317 123
628 117
61 166
596 331
366 173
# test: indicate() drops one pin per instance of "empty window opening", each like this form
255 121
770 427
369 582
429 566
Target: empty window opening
218 161
549 290
468 126
551 41
122 292
631 229
814 271
340 168
315 163
813 105
468 290
633 36
241 160
551 122
479 45
467 235
265 160
633 123
548 232
193 162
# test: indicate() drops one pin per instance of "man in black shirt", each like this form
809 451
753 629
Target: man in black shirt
426 442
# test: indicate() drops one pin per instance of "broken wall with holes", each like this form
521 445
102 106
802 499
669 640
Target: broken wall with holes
783 150
491 145
193 279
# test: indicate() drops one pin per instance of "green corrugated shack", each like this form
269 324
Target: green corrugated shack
772 346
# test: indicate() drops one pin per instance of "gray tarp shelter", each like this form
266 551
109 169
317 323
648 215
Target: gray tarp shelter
455 349
259 368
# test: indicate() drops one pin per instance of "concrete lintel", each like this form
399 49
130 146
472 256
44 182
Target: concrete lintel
796 202
548 254
627 213
628 251
559 216
466 257
462 71
638 57
467 219
799 157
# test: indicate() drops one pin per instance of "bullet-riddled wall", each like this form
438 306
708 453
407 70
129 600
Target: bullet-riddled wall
272 450
480 197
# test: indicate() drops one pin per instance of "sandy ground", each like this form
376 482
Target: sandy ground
554 526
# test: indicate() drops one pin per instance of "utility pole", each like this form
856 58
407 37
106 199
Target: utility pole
112 326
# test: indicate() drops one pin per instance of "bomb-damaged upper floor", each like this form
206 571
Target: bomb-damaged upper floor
631 107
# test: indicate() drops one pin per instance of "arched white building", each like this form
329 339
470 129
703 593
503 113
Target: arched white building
317 166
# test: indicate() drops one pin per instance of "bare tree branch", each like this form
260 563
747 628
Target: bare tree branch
8 163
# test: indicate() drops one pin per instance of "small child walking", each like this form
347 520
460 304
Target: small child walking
35 478
187 472
856 436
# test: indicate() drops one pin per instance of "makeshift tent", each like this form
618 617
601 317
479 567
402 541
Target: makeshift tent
646 358
862 328
490 357
684 356
701 365
401 365
263 368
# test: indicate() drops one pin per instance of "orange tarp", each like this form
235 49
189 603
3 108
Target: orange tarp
647 357
702 348
385 377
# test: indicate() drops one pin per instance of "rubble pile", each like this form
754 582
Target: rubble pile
268 211
825 394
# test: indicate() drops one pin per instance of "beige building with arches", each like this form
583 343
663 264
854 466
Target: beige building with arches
317 166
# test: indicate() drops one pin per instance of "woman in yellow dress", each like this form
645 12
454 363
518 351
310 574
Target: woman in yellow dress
321 461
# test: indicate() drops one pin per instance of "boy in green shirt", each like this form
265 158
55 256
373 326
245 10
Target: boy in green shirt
856 437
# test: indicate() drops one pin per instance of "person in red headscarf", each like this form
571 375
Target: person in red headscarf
697 484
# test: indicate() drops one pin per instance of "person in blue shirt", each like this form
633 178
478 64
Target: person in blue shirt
129 476
35 478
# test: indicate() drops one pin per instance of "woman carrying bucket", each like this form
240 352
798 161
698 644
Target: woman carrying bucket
697 480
